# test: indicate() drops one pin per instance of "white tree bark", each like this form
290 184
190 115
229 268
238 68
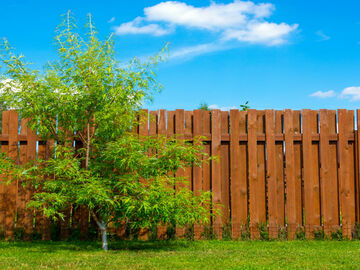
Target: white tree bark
102 226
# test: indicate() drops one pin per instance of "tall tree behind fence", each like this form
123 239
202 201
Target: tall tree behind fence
280 171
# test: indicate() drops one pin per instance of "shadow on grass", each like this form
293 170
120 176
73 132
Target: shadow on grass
94 246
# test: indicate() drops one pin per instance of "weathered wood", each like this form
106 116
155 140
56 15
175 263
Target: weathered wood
25 215
290 206
279 161
271 174
225 170
298 169
197 171
179 132
248 178
216 170
347 200
311 174
254 204
261 175
235 175
161 229
357 179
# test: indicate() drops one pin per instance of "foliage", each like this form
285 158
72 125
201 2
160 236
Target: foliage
337 235
263 231
204 106
319 234
89 96
300 233
245 107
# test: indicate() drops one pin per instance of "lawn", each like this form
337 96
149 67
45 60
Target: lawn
181 255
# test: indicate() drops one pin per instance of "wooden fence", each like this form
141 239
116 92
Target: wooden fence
278 171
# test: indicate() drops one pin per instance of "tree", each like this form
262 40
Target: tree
89 95
204 106
244 107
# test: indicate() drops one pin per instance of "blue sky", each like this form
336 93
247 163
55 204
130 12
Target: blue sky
275 54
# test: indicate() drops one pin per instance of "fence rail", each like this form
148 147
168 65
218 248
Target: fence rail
278 171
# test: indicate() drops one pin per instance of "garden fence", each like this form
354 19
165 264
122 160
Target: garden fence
278 172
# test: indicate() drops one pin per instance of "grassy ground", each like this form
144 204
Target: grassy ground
181 255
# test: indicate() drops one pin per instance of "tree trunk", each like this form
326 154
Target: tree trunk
102 226
104 238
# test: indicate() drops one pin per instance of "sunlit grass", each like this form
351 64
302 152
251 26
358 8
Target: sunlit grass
181 255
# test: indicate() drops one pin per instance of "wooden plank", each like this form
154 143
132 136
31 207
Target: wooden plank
325 196
216 169
347 200
180 132
357 183
225 170
261 170
328 173
206 128
254 205
333 187
4 149
24 215
161 230
11 189
271 174
143 131
189 130
31 156
352 171
235 172
42 224
197 171
298 169
290 205
153 123
224 137
206 166
279 164
311 174
244 207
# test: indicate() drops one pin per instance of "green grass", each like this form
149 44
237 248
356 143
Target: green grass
181 255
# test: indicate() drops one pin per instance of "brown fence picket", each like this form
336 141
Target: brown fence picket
261 170
290 204
197 171
298 169
225 170
24 215
161 229
347 202
279 164
237 202
270 174
254 204
180 132
216 169
357 183
328 172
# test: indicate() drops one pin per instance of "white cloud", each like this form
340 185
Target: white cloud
134 27
111 20
243 21
322 36
324 94
225 108
191 51
262 32
213 17
352 92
